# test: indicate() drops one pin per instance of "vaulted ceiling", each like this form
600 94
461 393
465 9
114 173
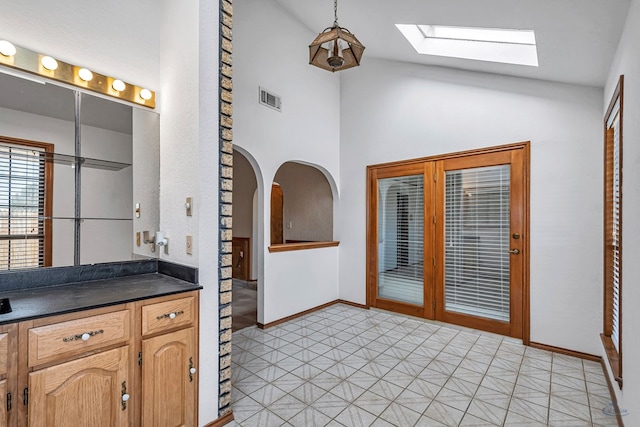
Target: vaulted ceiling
576 39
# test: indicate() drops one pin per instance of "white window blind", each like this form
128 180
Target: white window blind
401 239
22 192
477 227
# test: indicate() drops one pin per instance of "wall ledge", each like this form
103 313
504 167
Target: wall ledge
287 247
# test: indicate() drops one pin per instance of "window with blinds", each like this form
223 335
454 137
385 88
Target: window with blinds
401 239
22 207
477 224
612 337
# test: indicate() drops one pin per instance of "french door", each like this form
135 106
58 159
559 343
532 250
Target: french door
448 238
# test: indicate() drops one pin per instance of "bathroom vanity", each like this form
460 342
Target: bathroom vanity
115 352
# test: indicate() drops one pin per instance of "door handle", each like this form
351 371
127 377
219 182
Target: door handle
514 251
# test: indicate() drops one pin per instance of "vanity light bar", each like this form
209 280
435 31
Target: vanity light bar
46 66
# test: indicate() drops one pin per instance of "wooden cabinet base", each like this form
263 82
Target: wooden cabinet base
123 365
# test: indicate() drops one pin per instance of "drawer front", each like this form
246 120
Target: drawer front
4 353
168 315
67 339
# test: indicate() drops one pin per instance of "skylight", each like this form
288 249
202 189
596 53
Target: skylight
481 44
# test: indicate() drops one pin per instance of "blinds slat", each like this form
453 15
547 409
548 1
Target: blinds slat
477 226
22 187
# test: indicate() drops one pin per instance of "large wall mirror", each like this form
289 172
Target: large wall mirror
79 177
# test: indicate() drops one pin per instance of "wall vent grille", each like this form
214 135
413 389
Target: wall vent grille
270 99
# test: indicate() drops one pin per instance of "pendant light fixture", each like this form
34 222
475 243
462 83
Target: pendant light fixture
335 48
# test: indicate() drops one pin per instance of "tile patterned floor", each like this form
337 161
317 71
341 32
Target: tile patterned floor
345 366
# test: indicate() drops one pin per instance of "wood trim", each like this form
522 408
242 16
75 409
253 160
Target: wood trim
288 247
435 166
446 156
48 191
223 420
309 311
526 262
613 356
352 304
245 243
612 393
565 351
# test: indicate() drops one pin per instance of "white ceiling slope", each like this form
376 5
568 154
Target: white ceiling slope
576 38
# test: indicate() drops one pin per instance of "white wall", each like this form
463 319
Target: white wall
394 111
307 130
244 187
627 62
170 47
115 37
189 164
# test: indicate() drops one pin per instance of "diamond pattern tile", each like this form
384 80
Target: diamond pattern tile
347 367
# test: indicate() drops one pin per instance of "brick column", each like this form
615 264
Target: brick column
226 188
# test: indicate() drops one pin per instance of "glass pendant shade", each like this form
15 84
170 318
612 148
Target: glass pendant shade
335 49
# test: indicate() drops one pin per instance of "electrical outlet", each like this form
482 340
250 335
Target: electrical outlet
189 245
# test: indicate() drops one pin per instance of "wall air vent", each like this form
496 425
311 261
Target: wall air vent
269 99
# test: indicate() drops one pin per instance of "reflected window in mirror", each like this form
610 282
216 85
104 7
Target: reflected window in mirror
25 204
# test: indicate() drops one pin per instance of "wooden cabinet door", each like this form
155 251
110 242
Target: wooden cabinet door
3 403
83 392
168 387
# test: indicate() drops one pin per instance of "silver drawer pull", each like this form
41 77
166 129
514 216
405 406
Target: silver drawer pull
124 395
84 337
171 315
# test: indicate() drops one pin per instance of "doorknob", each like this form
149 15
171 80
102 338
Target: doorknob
514 251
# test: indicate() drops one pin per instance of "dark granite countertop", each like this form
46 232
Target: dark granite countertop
52 300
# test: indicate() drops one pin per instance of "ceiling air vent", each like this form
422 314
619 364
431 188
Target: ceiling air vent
271 100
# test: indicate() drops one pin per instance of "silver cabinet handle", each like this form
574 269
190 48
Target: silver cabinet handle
171 315
84 337
124 395
514 251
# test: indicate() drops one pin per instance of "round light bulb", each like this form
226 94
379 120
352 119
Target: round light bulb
145 94
7 48
85 74
118 85
49 63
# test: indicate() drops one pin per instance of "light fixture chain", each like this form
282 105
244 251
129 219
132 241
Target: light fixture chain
335 12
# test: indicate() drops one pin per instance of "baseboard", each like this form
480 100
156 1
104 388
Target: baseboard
223 420
565 351
309 311
352 304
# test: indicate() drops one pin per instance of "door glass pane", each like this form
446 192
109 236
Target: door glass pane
477 242
400 239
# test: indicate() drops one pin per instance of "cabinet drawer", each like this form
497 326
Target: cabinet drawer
168 315
4 353
66 339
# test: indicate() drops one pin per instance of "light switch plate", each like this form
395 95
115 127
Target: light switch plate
189 245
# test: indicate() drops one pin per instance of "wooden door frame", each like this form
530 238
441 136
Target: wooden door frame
373 174
387 169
